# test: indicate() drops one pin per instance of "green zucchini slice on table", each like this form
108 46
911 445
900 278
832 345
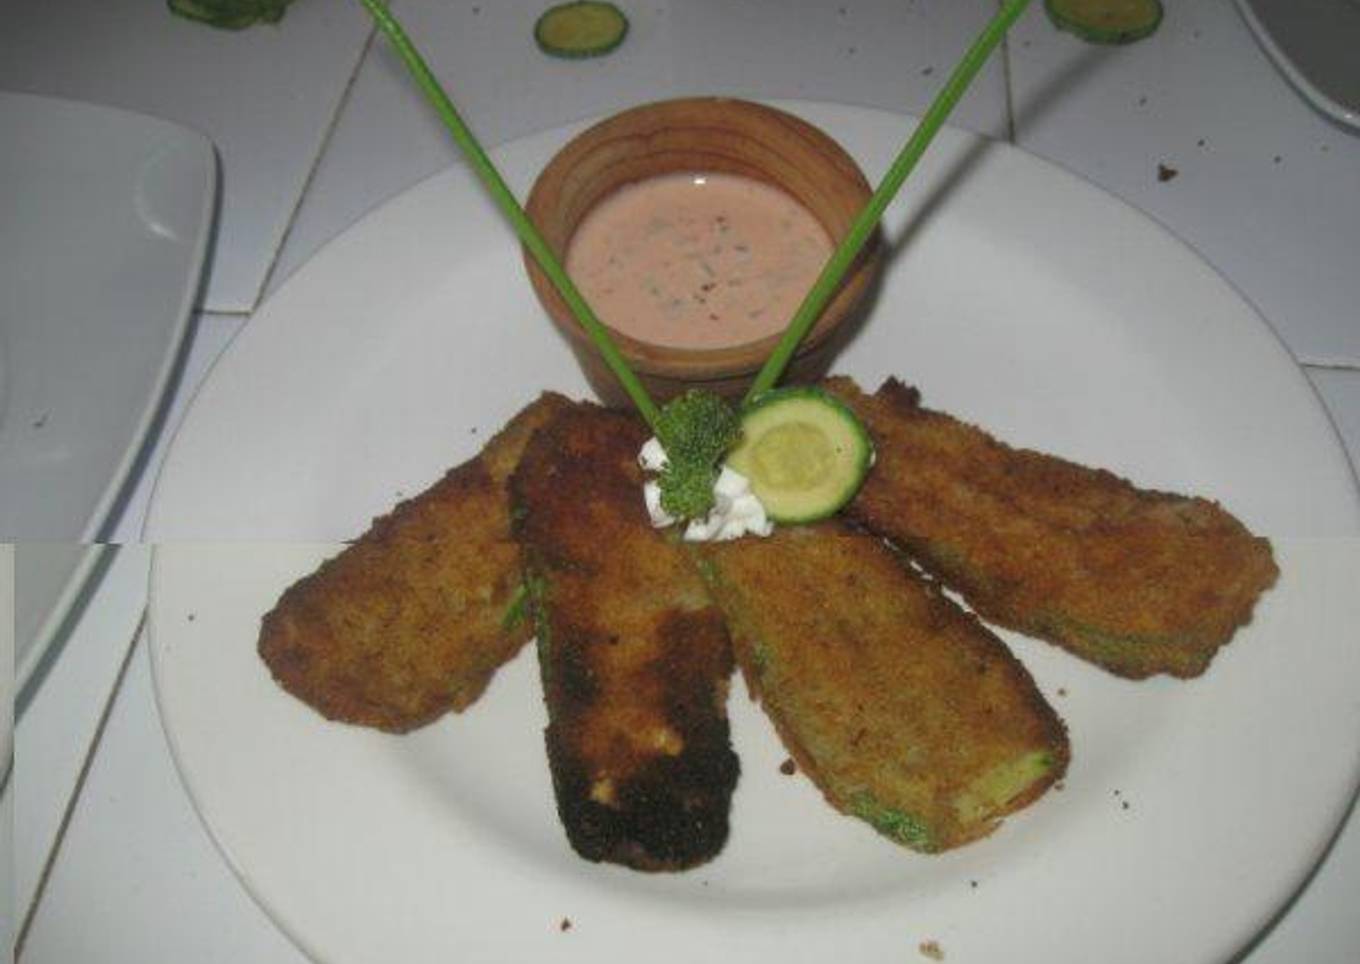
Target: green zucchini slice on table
1106 21
582 28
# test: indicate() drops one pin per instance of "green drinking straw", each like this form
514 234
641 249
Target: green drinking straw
839 263
528 233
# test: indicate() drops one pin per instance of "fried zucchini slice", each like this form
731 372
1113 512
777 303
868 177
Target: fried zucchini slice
900 706
634 657
413 618
1136 581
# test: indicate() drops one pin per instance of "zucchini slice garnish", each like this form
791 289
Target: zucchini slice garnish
1106 21
804 452
582 28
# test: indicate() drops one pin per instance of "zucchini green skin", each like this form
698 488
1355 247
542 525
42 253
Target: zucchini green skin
612 29
794 397
1112 23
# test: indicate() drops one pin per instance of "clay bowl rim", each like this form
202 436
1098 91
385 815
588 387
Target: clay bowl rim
728 361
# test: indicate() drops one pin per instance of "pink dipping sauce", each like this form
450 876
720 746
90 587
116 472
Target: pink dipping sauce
697 260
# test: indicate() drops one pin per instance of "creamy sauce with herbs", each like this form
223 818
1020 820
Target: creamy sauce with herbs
697 260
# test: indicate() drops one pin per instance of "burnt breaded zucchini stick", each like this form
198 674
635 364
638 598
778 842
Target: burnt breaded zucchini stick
414 617
1136 581
635 658
903 709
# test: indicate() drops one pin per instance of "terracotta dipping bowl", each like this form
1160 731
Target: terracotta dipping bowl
702 135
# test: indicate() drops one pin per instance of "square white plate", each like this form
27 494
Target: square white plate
1316 45
7 663
50 578
105 218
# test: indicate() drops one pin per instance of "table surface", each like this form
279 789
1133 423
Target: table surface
316 123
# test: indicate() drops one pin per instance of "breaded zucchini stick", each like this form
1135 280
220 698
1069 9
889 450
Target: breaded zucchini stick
902 708
635 658
1136 581
413 618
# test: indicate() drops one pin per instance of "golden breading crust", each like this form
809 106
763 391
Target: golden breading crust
635 659
902 708
1136 581
411 620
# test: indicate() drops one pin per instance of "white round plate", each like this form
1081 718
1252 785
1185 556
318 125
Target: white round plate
1020 298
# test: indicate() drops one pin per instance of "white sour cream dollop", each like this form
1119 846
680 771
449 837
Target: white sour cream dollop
736 510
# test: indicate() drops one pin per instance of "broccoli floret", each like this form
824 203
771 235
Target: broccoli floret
697 426
696 429
687 489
